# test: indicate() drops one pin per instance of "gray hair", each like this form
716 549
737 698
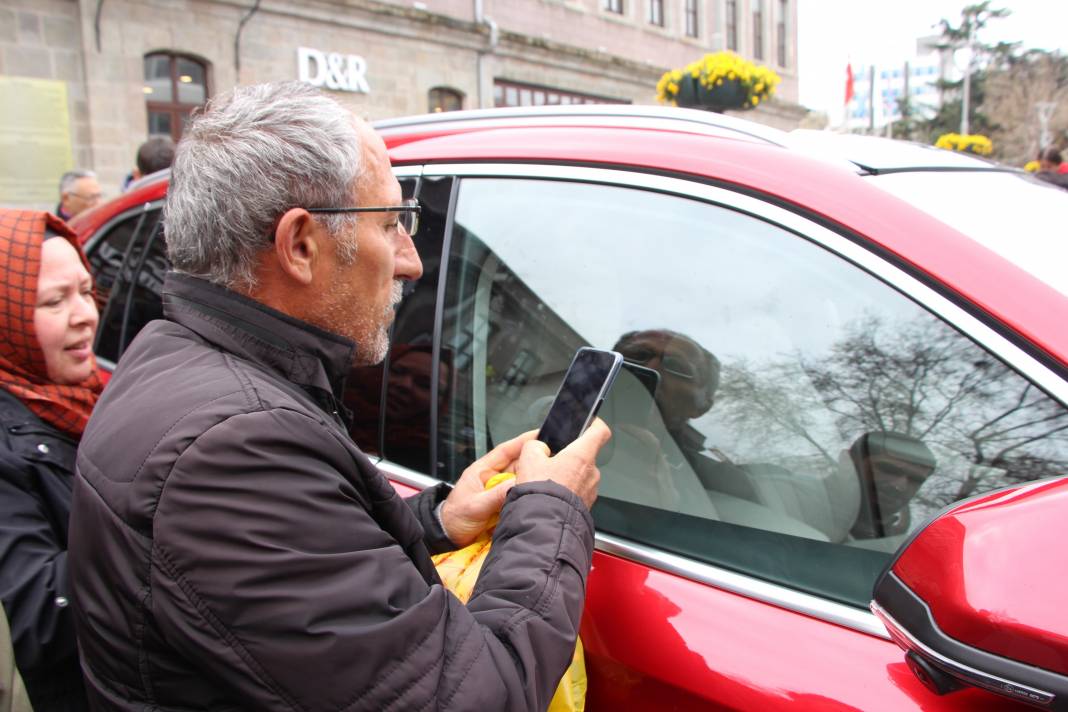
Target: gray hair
67 180
255 153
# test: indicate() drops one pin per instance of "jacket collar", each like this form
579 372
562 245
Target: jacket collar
303 354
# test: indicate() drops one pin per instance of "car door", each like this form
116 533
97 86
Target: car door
811 406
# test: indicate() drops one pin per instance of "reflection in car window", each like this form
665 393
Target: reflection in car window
783 413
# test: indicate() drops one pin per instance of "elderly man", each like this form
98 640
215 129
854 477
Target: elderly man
231 547
78 191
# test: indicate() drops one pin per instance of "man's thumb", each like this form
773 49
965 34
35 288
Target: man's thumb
533 456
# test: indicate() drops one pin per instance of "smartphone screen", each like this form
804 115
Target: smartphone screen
585 385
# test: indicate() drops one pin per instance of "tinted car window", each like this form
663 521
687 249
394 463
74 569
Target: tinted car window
784 413
401 430
128 263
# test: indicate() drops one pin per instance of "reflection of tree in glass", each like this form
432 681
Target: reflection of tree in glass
990 426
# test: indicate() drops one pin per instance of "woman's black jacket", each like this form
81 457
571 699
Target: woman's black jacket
36 476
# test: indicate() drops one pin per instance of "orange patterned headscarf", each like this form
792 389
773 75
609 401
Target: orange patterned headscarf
22 363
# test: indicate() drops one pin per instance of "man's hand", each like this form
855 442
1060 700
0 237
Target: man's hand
573 467
469 508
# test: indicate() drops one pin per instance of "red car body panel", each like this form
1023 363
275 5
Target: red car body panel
86 224
821 190
700 647
704 644
1014 574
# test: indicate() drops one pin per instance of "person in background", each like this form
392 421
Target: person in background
1052 168
155 154
79 190
48 386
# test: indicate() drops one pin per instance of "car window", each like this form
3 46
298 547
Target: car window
783 414
401 430
128 263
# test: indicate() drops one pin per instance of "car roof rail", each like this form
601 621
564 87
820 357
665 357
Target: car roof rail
611 115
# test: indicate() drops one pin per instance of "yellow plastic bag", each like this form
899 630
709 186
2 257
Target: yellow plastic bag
459 571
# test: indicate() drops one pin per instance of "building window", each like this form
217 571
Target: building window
656 12
174 86
780 32
506 93
691 18
732 25
758 29
444 99
615 6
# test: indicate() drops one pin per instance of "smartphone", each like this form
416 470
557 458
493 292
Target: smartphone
586 383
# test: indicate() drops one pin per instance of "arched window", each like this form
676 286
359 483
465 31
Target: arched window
444 99
175 84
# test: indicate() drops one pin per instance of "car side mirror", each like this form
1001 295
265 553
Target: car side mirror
979 596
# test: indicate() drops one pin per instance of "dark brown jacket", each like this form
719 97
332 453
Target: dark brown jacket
231 548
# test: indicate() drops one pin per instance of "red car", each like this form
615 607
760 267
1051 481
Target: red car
841 431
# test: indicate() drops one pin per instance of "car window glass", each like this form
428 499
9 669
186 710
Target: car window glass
128 264
401 430
784 413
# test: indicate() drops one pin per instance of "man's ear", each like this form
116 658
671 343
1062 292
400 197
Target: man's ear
297 242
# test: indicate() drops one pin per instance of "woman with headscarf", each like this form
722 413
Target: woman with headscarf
48 386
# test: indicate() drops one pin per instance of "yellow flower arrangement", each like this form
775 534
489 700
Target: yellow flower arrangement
716 78
965 143
1032 166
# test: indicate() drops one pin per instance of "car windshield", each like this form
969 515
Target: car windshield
1018 216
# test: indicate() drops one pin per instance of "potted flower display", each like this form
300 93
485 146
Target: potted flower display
717 82
965 143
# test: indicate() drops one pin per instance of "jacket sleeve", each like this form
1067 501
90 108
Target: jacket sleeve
270 572
33 573
423 506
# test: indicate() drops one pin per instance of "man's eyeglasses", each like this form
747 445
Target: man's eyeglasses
408 213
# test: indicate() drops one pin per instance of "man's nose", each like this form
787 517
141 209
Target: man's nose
407 264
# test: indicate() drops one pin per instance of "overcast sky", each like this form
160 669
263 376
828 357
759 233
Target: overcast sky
834 32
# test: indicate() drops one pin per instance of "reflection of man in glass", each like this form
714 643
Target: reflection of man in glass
892 467
689 377
406 427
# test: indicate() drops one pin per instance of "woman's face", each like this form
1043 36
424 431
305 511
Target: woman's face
65 318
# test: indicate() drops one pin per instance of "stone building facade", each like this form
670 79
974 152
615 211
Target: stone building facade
383 58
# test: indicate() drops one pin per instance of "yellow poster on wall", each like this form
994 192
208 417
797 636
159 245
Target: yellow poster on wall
35 145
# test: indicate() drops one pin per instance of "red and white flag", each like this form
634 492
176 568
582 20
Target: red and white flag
849 83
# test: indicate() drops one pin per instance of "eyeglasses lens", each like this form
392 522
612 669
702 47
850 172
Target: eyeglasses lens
409 219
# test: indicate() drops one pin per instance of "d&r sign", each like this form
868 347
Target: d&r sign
339 72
